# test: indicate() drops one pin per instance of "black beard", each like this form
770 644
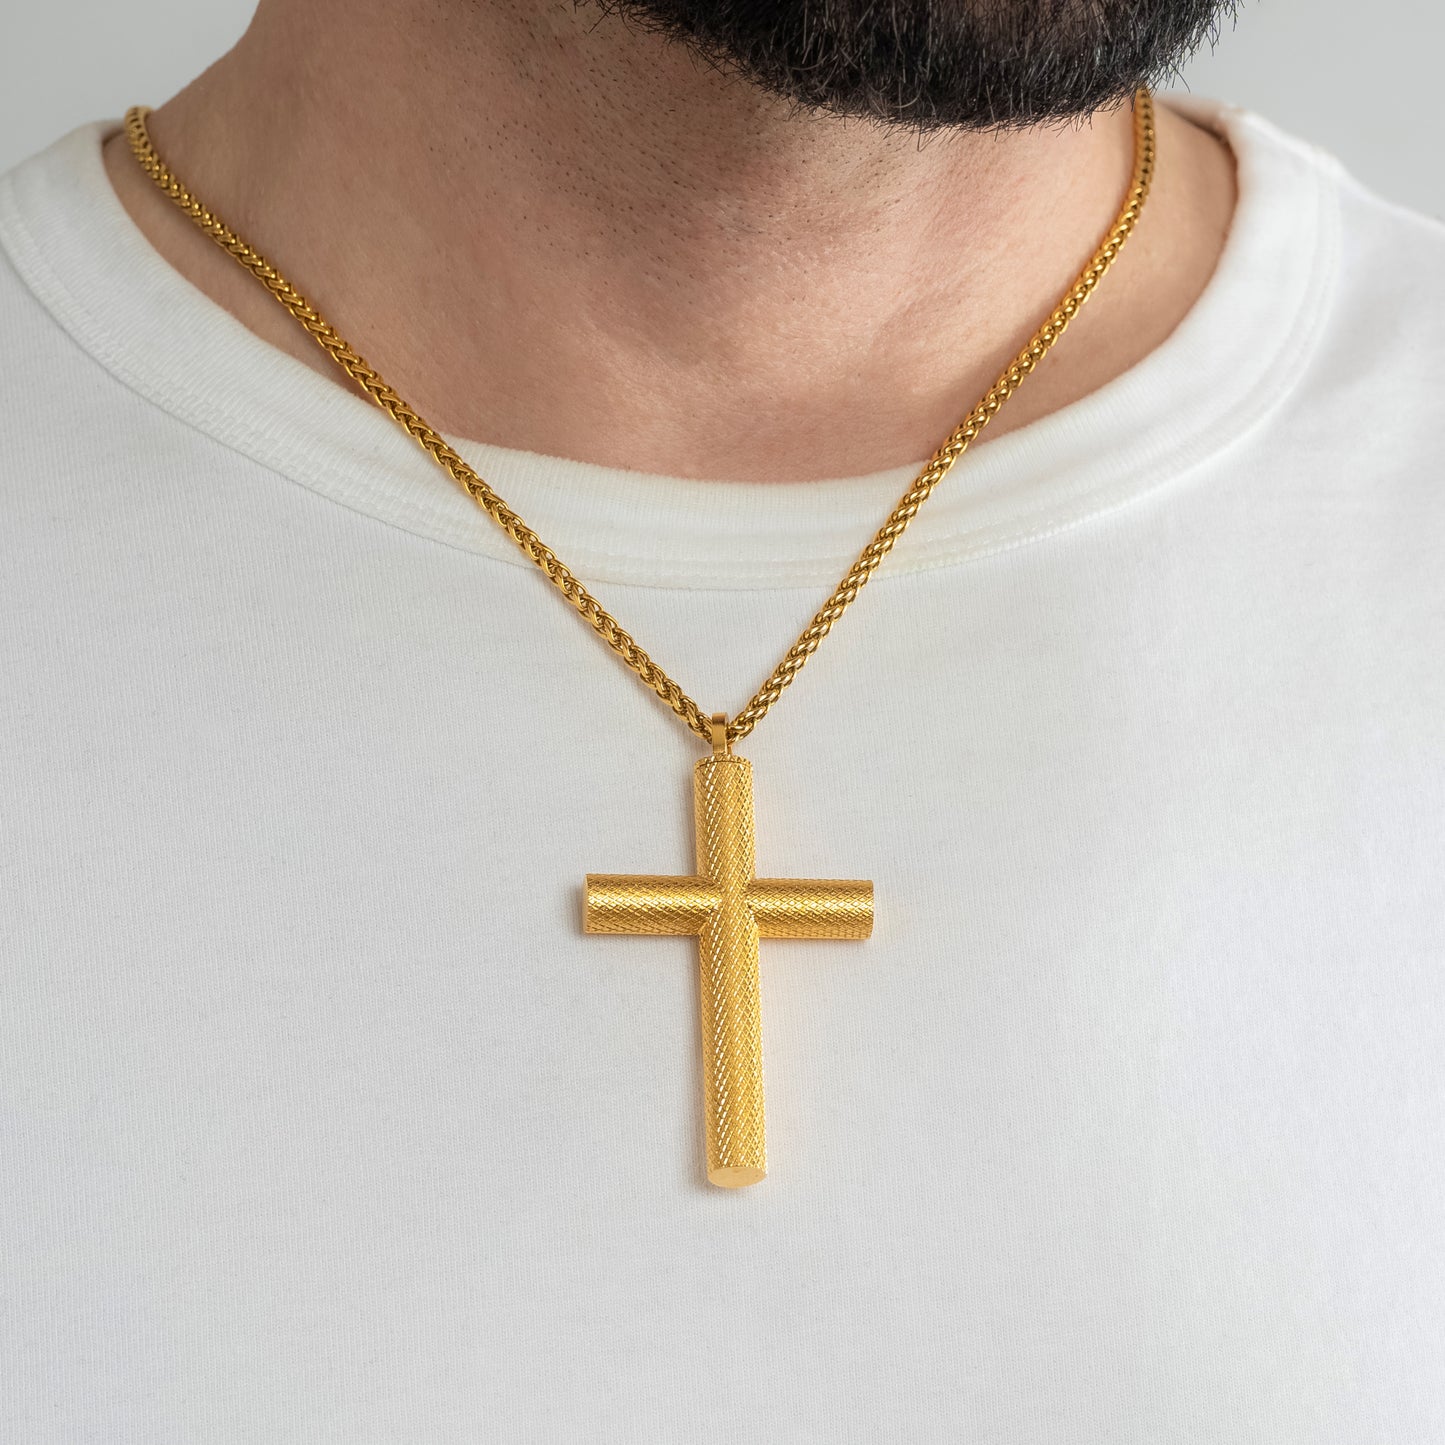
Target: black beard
928 65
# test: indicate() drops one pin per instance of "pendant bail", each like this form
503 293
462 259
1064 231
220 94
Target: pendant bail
721 748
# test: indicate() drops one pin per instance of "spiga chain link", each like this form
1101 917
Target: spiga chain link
598 618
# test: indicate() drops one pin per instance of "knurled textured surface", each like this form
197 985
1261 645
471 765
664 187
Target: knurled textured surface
812 907
731 1012
638 903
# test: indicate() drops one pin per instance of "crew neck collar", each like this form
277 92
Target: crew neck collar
80 253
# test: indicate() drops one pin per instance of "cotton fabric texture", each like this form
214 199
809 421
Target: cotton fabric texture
322 1119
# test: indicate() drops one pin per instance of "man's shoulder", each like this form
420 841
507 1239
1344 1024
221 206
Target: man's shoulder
1390 259
1392 265
52 391
1380 370
39 309
1374 375
28 327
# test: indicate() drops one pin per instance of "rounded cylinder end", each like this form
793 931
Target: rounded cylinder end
735 1176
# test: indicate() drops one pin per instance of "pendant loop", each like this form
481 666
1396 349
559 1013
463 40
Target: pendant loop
721 748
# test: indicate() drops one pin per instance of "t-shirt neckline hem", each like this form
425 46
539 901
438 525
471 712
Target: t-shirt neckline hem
80 253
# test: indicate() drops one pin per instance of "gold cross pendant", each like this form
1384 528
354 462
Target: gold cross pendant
729 910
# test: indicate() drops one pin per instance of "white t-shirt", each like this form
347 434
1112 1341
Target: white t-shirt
323 1121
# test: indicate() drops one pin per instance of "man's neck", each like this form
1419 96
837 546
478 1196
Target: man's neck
553 231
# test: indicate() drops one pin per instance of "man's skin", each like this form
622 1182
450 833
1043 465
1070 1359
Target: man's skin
555 231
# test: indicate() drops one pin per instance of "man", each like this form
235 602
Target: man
326 1119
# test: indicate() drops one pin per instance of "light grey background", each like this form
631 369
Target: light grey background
1360 79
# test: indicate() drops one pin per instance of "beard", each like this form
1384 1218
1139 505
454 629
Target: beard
930 65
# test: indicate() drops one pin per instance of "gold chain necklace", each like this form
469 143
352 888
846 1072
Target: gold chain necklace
723 905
